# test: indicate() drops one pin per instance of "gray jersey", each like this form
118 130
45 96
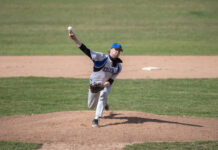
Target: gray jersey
104 69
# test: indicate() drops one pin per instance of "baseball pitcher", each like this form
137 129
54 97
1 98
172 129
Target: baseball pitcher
105 70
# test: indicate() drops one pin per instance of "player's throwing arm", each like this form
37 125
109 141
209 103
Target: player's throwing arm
73 37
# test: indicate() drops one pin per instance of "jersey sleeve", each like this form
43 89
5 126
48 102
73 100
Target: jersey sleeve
97 56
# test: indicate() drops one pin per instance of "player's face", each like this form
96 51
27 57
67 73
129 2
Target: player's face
114 53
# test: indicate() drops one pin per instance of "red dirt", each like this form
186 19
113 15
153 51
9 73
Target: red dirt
81 66
72 130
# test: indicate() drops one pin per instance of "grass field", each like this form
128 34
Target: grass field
169 27
4 145
206 145
202 145
190 97
199 145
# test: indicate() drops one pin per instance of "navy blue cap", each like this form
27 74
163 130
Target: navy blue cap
117 45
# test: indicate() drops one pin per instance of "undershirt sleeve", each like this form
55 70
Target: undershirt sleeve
111 81
85 50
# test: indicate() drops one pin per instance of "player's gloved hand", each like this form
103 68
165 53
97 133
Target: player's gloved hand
95 88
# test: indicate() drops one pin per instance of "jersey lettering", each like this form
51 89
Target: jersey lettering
106 69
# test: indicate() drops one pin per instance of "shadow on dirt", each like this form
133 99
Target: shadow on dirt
136 120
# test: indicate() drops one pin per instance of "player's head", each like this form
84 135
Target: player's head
115 50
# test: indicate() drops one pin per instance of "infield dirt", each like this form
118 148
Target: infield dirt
72 130
81 66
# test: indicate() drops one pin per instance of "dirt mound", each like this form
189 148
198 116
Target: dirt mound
72 130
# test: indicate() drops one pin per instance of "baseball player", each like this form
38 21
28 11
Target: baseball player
105 70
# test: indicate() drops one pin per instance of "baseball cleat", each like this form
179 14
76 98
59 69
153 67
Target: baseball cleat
95 123
106 107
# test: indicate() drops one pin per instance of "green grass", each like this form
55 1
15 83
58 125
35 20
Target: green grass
201 145
190 97
18 146
143 27
42 95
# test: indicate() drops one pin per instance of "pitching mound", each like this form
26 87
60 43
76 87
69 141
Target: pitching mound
72 130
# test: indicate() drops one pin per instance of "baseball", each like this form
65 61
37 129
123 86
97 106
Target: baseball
69 28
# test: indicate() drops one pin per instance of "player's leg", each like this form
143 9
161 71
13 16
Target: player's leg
93 99
102 102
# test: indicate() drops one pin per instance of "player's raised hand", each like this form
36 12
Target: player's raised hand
73 36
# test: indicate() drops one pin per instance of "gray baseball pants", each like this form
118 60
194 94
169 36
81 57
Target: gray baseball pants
98 101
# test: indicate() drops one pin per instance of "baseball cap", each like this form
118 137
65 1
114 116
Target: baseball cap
117 45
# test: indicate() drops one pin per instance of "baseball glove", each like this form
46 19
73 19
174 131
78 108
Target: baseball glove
95 88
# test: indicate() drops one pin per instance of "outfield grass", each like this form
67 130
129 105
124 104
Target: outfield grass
202 145
169 27
190 97
198 145
18 146
41 95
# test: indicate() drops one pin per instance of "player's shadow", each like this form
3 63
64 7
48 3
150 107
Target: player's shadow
136 120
